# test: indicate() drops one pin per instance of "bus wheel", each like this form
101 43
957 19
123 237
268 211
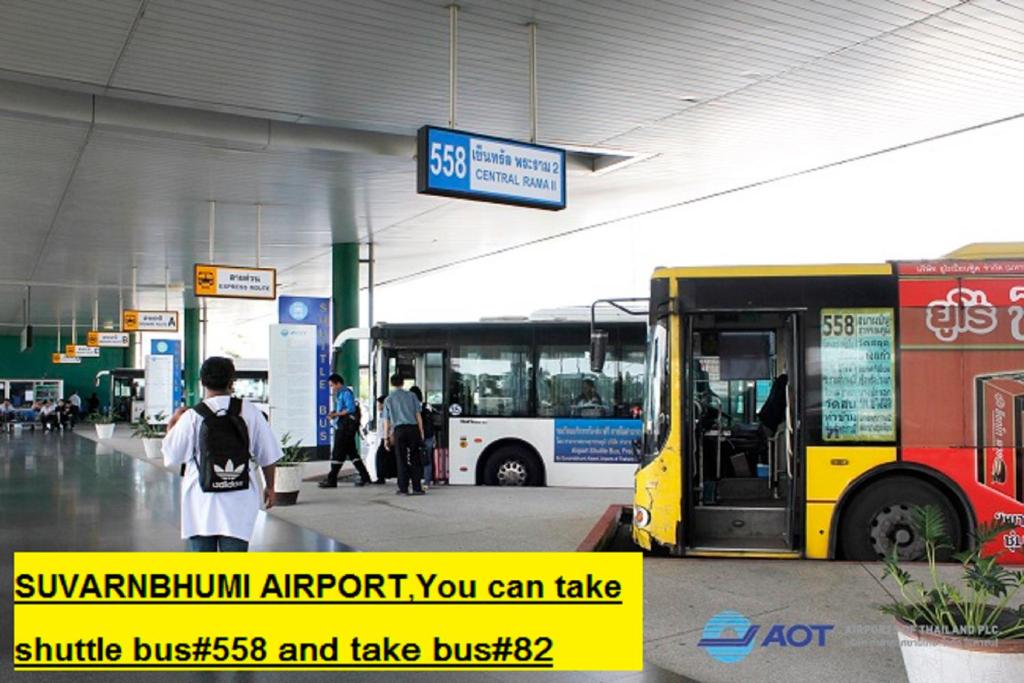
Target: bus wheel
880 519
510 466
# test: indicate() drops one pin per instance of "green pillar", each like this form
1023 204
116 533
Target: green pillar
345 297
192 359
133 350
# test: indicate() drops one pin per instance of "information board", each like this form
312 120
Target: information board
159 388
858 384
292 382
469 166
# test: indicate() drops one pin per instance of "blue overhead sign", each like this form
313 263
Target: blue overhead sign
470 166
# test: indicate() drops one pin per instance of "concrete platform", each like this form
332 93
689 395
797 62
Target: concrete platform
447 518
72 480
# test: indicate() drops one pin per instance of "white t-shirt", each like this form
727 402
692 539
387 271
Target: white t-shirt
76 400
225 513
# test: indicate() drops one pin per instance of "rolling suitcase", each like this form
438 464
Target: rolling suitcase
441 465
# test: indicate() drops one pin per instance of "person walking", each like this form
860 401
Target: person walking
403 426
346 425
214 441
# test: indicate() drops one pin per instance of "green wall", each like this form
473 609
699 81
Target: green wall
36 364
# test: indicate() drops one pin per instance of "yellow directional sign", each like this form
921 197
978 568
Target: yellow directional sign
149 321
79 351
235 282
107 339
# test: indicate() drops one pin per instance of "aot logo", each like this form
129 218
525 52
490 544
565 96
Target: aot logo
298 310
161 347
729 636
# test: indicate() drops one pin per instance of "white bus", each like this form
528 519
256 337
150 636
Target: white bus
517 402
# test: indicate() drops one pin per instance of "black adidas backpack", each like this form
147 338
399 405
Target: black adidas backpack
223 449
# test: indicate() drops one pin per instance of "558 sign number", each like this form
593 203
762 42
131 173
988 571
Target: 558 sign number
448 160
837 325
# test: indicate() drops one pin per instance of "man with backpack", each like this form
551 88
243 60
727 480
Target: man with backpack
215 441
346 416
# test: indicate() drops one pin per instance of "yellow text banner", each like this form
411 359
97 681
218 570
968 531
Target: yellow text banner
328 611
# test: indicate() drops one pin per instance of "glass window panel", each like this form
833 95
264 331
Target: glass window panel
491 380
567 387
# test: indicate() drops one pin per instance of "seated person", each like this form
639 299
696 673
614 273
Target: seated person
588 394
65 414
589 401
48 416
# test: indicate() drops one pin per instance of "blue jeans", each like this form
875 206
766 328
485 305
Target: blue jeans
211 544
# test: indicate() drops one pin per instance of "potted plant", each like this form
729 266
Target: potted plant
104 423
151 433
965 631
288 473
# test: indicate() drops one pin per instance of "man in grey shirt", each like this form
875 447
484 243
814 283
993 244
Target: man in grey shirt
403 429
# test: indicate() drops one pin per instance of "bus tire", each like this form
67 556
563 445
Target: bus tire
879 518
511 466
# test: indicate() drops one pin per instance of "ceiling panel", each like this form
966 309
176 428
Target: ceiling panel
722 94
78 40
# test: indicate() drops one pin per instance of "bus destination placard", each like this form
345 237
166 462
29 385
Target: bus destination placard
453 163
858 374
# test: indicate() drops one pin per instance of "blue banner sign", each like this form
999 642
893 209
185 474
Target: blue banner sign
609 441
308 310
470 166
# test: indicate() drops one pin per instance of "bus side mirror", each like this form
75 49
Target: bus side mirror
598 350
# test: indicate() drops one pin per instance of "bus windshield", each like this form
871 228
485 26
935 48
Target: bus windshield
656 396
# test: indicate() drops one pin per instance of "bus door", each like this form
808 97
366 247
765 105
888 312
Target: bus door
426 369
742 389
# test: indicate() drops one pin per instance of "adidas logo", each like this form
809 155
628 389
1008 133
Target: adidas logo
229 472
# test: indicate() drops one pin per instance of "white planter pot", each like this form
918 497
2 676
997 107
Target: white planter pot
935 658
152 447
287 480
105 431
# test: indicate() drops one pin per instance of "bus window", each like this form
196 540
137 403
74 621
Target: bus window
567 388
631 382
656 407
491 380
433 382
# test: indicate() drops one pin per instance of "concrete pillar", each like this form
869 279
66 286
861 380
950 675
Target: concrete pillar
345 299
192 356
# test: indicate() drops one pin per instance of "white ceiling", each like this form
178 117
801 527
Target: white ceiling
723 93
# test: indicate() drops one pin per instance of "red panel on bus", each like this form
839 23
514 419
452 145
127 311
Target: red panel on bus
989 505
962 384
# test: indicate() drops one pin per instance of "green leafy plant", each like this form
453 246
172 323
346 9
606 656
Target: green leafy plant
979 606
101 418
294 455
144 429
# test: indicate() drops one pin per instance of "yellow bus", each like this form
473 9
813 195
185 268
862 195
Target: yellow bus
803 411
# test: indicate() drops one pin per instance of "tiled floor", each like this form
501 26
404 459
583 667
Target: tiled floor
66 493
